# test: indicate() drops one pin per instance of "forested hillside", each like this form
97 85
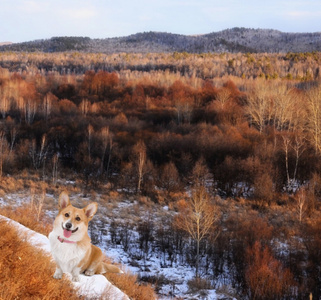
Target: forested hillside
231 40
240 132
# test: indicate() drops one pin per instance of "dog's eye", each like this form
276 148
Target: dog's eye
66 215
77 219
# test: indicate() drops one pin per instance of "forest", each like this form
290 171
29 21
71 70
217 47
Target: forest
239 134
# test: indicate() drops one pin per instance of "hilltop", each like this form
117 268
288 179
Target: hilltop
229 40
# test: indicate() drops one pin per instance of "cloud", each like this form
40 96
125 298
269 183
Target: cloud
303 14
33 6
63 9
80 13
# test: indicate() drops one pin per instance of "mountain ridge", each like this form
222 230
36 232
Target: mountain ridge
237 39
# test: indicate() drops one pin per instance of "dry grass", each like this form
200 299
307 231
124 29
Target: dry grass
26 272
129 285
26 216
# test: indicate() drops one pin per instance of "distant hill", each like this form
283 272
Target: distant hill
229 40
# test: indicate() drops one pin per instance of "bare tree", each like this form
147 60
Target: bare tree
169 178
2 144
222 98
201 175
140 161
293 142
314 120
90 132
30 109
38 156
298 146
259 106
301 204
84 106
55 160
12 133
283 107
47 106
4 106
286 147
184 109
106 140
197 218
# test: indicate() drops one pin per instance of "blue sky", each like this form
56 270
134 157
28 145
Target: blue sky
25 20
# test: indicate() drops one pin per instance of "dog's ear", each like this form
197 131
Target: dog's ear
90 210
63 201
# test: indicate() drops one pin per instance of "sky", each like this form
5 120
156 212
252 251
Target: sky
27 20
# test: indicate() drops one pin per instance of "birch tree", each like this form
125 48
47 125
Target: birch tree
314 120
140 161
38 156
4 106
301 204
197 218
259 106
107 143
47 105
84 107
30 109
2 145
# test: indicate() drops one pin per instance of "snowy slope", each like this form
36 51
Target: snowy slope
92 286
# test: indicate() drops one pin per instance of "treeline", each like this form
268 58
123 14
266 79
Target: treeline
205 66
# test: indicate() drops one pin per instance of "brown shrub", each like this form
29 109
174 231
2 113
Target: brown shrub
26 272
265 276
263 189
250 228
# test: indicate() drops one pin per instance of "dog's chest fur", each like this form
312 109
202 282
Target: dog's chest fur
66 255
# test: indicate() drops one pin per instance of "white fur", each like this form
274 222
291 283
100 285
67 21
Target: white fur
67 257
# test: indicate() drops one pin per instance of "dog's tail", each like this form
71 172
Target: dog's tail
108 268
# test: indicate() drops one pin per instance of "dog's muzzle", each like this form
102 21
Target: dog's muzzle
68 227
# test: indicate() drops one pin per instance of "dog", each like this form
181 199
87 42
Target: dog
70 244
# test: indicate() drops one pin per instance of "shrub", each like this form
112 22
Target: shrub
265 276
263 189
198 283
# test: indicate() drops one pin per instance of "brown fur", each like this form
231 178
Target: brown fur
75 253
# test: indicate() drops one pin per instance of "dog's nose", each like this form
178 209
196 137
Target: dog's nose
68 225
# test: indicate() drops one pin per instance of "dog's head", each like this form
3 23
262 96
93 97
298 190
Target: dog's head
72 223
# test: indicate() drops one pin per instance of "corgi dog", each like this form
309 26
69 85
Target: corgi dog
70 244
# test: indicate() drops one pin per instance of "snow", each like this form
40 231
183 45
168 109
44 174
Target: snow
175 275
90 286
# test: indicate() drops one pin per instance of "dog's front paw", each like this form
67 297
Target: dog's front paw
89 272
57 275
75 278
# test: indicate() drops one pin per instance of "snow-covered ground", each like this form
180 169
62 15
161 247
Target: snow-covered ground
175 276
91 286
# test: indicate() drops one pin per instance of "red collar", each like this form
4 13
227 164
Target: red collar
65 241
